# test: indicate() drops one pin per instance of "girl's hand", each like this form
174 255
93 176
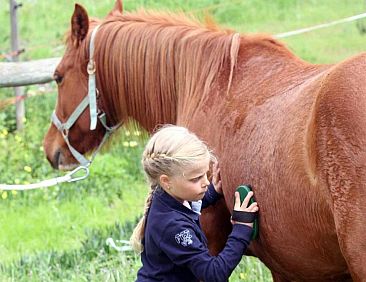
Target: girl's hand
243 207
216 178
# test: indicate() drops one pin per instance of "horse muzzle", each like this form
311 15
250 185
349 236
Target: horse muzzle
61 162
57 152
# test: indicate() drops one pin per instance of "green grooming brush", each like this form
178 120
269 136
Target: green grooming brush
243 191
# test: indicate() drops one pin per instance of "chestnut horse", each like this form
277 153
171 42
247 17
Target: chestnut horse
294 130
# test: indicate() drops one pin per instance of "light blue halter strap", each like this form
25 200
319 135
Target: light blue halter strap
91 68
64 129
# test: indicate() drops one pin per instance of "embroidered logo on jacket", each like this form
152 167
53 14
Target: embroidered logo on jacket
184 238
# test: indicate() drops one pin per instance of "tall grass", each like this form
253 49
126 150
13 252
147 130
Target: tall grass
58 234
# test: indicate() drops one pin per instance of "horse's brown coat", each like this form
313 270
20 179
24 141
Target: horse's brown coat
293 130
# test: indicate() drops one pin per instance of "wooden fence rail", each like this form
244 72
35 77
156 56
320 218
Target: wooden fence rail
27 73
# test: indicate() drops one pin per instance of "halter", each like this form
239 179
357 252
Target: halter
95 115
95 112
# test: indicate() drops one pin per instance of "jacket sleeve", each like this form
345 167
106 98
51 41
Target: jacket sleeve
183 246
211 197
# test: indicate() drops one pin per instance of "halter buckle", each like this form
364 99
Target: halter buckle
65 132
91 67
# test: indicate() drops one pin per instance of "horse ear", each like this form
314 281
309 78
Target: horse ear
118 8
79 24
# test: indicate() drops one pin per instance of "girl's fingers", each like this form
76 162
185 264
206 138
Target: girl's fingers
247 199
217 174
237 201
218 187
254 204
216 164
216 171
253 207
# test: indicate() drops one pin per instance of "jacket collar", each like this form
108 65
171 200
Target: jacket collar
167 200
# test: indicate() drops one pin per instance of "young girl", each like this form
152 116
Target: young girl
169 235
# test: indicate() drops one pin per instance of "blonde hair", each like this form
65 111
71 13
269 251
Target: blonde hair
170 151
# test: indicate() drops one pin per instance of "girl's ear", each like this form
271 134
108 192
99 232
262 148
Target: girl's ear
164 181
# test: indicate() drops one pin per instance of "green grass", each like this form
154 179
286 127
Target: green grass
58 234
92 261
43 38
59 225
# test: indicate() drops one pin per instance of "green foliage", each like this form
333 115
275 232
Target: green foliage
55 218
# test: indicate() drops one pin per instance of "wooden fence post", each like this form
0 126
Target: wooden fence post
20 109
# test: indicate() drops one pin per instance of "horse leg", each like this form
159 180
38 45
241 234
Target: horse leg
216 225
349 218
345 180
341 278
278 277
341 158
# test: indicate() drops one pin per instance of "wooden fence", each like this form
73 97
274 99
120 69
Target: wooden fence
26 73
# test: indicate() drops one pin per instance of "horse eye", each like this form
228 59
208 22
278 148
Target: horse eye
58 78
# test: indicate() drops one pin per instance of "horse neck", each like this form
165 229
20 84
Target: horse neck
152 73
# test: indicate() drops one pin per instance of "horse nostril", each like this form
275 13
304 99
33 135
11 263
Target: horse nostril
56 159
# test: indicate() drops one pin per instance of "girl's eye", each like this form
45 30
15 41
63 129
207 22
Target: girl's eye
196 179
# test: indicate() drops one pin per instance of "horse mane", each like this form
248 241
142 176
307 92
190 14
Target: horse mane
160 57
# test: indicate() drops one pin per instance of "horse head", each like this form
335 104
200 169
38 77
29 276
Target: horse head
71 134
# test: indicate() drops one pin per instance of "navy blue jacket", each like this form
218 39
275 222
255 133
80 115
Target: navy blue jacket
175 248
